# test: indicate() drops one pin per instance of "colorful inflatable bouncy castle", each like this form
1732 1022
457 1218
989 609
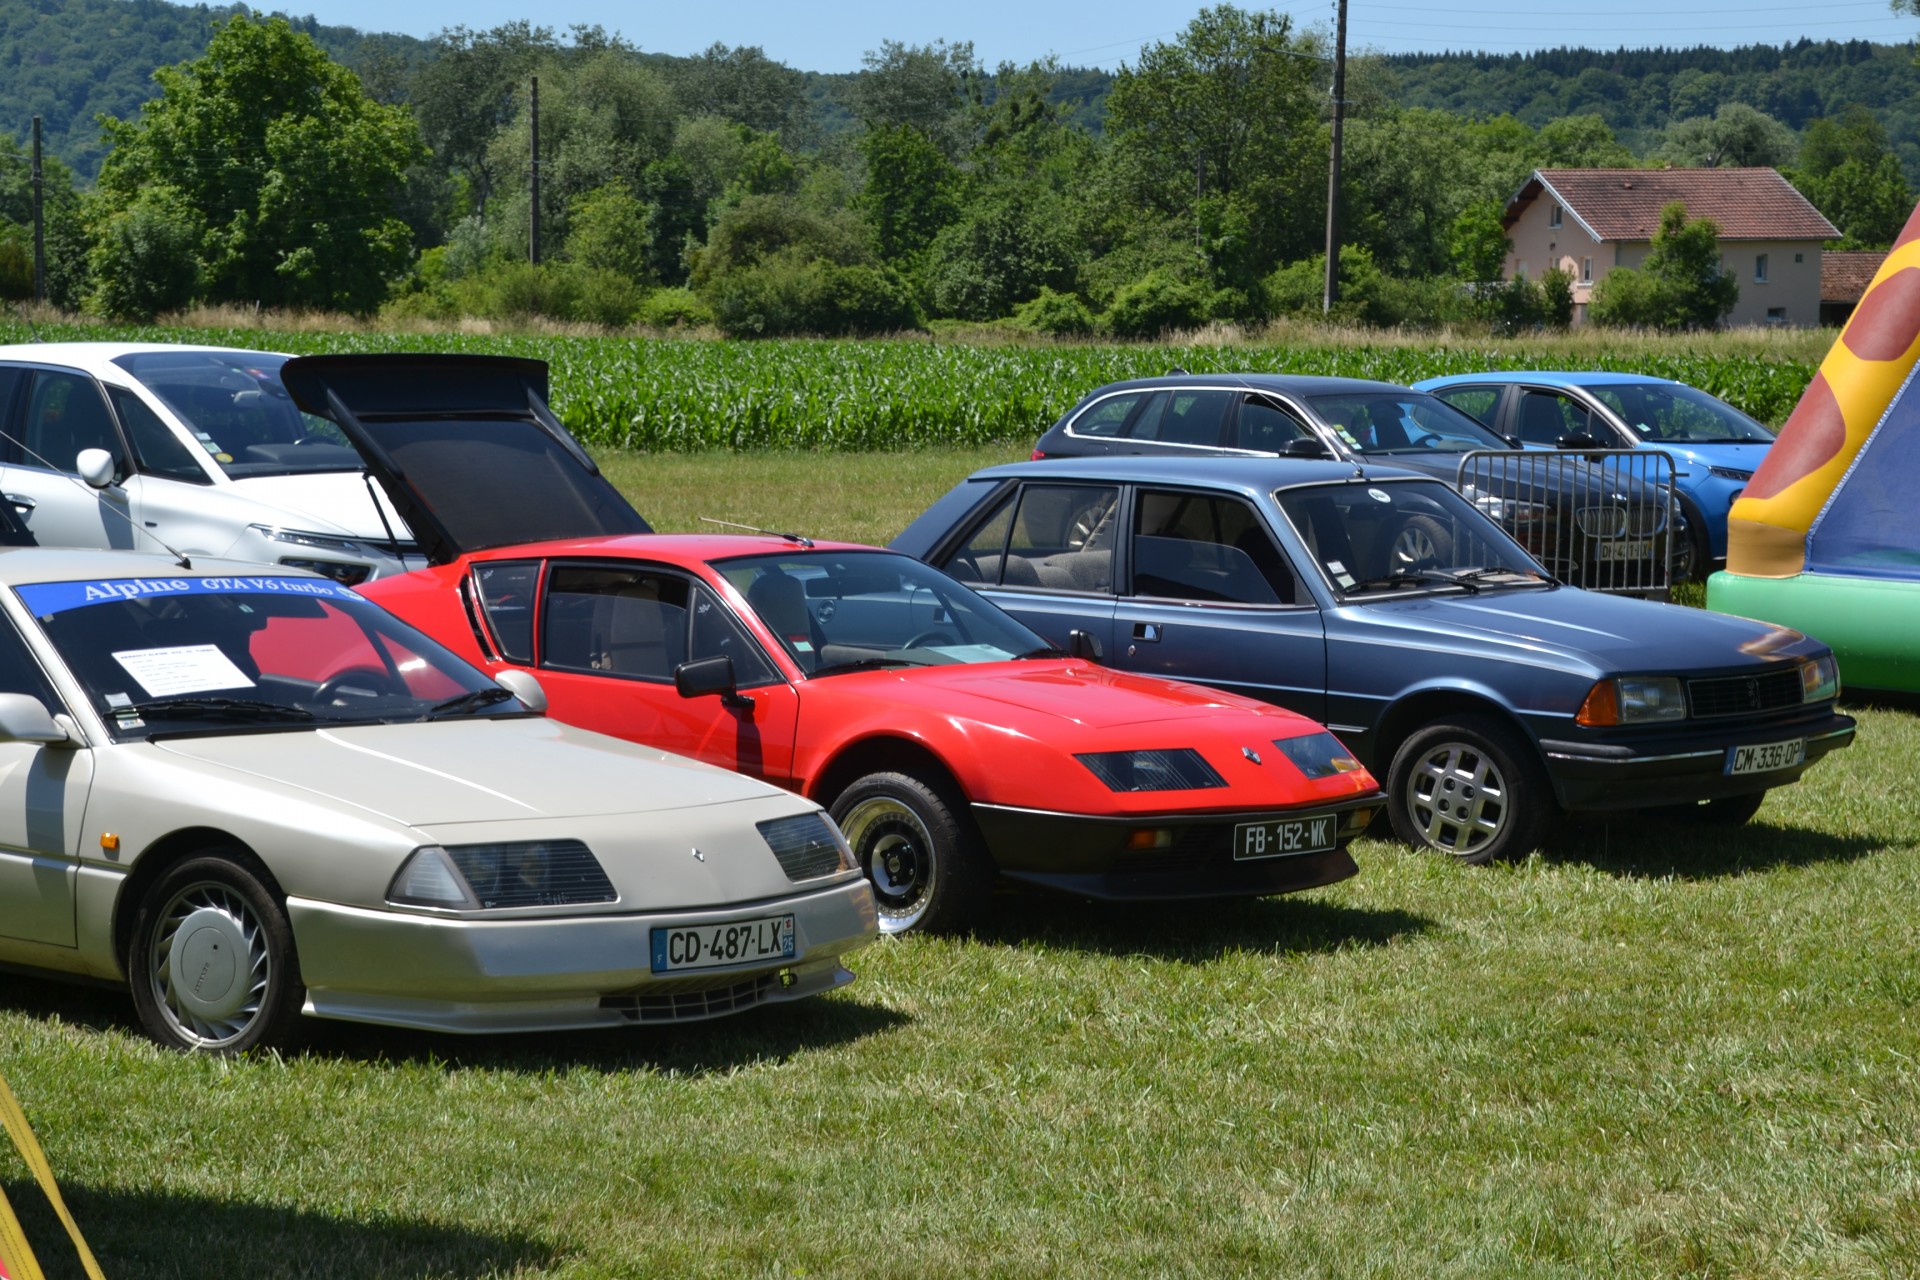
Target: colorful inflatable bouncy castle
1826 536
17 1261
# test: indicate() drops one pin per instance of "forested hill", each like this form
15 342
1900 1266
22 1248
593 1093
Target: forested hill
68 61
1640 91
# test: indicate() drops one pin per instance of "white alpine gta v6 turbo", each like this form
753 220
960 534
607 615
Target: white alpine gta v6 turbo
254 795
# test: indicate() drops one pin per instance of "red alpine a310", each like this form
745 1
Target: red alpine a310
952 744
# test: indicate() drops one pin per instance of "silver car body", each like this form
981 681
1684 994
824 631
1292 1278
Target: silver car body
333 812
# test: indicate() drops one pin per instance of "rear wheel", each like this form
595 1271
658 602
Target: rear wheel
922 855
212 961
1471 788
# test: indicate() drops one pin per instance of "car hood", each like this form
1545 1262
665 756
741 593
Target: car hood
327 502
1612 633
1741 457
473 770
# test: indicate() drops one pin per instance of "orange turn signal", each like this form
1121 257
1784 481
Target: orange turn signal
1602 706
109 841
1149 838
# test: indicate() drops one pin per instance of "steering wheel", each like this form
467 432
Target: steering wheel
931 638
1428 440
357 682
1088 524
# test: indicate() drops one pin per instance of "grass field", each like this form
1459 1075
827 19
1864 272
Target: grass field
1641 1052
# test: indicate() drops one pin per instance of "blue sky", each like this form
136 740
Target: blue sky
833 36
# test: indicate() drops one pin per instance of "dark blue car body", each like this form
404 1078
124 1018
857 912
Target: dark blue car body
1513 656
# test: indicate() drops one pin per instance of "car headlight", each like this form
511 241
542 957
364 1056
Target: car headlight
1633 700
1178 769
492 877
1819 679
351 575
301 538
807 845
1505 510
1317 755
1730 473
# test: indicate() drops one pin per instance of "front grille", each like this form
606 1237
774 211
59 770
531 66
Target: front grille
1744 695
803 843
690 1006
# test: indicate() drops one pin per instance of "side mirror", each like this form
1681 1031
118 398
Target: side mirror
1578 440
704 676
24 718
1081 644
95 467
1516 442
523 686
1306 447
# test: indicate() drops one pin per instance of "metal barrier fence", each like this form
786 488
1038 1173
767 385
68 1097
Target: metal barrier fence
1603 519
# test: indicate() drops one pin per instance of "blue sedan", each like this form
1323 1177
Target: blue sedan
1483 693
1715 447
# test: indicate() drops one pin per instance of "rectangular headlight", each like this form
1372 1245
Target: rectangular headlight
1633 700
807 845
1819 679
492 877
1178 769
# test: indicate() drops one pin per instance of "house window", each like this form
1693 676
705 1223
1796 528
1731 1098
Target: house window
1799 258
1586 271
1619 254
1553 218
1759 268
1776 315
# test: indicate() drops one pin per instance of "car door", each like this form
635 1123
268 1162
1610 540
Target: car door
55 415
1210 596
1478 400
1045 554
611 635
43 797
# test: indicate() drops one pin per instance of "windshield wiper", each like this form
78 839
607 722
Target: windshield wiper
865 664
213 709
1503 571
1044 651
460 704
1417 577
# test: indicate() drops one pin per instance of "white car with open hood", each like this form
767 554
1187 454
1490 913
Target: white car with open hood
253 794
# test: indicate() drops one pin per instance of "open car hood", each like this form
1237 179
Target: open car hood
466 448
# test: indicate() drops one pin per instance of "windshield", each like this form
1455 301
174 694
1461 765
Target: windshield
852 610
232 655
1374 538
234 408
1378 423
1656 411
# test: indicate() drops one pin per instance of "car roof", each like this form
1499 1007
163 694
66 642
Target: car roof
675 548
1251 476
98 356
1566 378
1298 384
22 565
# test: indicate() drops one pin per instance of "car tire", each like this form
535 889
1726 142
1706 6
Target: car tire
1470 787
1693 561
1420 540
925 861
215 916
1727 811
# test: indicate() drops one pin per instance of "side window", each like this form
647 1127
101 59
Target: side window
1545 417
1107 417
617 621
505 591
1190 417
19 673
155 447
1190 546
1062 538
1476 402
717 633
1268 425
65 415
980 559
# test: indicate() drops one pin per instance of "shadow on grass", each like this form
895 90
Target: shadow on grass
1194 931
135 1234
1644 845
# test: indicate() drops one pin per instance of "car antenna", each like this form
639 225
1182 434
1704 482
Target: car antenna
790 537
91 492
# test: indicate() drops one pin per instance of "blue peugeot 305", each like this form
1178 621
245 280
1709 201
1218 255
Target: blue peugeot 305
1715 447
1485 695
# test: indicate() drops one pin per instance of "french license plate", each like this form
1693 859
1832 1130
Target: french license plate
708 946
1624 549
1766 756
1315 833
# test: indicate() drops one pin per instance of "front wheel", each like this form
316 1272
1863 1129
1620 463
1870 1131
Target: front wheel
1471 788
212 960
924 858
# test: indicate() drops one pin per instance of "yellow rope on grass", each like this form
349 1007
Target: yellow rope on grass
16 1258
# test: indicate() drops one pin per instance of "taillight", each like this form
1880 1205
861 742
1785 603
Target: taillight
1037 455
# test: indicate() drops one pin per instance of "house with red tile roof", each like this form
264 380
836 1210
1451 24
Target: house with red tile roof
1844 277
1590 221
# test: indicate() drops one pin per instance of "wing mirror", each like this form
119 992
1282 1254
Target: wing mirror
703 676
523 686
1578 440
95 467
24 718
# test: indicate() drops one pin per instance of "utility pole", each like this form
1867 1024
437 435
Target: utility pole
533 215
39 224
1332 294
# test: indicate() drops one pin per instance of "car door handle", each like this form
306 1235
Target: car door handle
20 501
1148 632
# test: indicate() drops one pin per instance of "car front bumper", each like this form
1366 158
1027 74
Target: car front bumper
1680 768
549 973
1090 856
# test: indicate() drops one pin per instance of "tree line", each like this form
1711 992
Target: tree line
731 190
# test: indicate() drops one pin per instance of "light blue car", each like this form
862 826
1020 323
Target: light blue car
1715 447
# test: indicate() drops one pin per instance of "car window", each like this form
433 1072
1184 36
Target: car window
233 404
505 590
1680 413
65 415
155 448
1062 538
617 621
1546 417
1193 417
1268 425
717 633
1189 546
1384 422
1362 535
1105 418
979 559
1477 401
20 672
